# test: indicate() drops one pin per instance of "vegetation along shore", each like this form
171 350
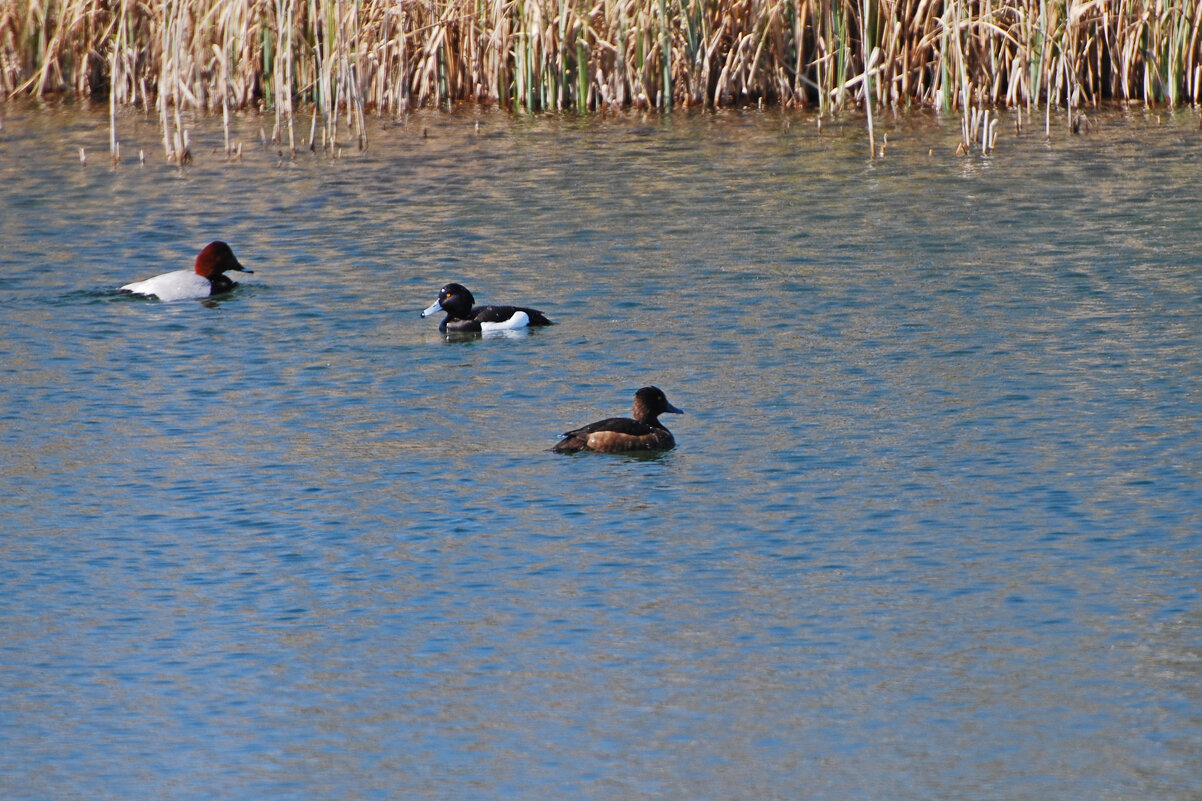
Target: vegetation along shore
340 59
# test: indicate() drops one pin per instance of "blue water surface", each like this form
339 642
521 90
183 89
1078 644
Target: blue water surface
931 529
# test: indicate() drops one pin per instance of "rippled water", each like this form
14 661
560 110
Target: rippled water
931 529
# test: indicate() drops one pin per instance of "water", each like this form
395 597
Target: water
931 529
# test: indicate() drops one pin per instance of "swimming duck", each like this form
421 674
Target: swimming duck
205 279
616 434
462 315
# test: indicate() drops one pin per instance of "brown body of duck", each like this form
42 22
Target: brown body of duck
620 434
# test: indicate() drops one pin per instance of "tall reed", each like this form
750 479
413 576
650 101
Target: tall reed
338 59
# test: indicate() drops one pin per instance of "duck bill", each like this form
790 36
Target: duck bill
434 308
673 410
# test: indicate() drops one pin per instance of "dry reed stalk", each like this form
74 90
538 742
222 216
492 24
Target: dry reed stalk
163 84
116 82
283 73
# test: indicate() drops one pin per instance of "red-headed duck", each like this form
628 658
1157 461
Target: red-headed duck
205 279
618 434
462 316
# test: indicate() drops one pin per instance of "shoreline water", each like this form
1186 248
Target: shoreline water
132 137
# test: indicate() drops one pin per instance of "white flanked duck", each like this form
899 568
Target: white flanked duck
463 316
207 278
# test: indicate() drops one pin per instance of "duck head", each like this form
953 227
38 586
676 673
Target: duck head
455 300
217 258
650 403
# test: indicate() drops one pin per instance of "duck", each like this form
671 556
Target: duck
205 279
618 434
464 316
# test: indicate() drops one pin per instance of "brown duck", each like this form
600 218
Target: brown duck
618 434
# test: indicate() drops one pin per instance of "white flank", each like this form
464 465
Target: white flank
179 285
519 320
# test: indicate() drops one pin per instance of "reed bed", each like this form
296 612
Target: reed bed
328 62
